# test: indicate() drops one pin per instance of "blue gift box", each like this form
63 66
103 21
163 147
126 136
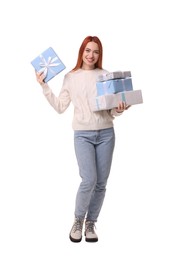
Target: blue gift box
49 63
113 86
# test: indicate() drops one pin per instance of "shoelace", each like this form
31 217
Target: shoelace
90 227
77 225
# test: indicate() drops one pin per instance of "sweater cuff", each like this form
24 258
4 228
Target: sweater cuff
46 89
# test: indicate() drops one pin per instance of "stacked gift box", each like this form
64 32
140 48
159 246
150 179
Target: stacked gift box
113 88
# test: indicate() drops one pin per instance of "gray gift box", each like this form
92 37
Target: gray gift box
114 75
106 102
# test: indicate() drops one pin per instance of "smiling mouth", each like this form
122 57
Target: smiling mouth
90 60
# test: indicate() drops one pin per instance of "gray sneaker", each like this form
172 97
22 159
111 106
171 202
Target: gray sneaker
76 231
90 234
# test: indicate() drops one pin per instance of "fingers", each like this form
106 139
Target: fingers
127 107
122 106
40 77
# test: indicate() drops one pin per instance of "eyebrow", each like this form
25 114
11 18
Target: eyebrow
90 49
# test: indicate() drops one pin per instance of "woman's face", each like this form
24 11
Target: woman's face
90 56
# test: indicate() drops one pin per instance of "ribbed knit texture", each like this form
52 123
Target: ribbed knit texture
79 87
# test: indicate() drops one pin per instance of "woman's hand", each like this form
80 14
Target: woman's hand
40 77
121 107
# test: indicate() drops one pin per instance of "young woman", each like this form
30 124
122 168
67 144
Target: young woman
94 136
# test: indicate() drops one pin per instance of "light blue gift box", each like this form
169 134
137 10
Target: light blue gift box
49 63
114 86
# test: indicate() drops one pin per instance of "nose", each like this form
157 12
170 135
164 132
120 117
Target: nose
91 54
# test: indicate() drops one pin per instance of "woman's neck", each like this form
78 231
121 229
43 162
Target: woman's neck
86 67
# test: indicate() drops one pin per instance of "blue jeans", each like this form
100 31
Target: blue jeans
94 151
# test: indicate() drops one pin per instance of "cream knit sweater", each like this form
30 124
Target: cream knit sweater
79 87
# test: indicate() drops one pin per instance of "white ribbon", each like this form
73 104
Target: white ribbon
48 65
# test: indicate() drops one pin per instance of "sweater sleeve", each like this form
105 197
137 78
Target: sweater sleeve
59 103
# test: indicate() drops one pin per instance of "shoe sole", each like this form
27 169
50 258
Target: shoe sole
92 240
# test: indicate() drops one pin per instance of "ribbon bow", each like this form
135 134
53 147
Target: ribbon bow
48 65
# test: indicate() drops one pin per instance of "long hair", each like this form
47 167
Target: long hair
82 48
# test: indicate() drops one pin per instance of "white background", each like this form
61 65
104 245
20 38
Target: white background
38 169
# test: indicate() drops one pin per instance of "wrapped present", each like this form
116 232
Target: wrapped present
106 102
49 63
114 86
114 75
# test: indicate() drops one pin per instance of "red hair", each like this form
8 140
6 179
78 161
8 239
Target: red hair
82 48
